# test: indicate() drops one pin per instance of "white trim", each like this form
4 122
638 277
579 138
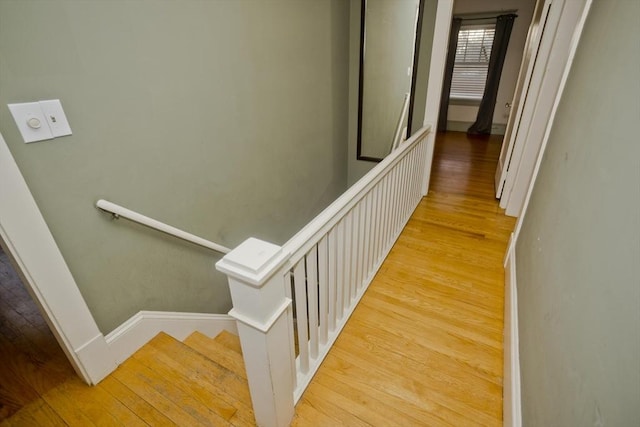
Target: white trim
559 55
96 358
46 275
512 410
529 58
439 49
127 338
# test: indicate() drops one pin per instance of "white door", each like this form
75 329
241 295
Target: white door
531 48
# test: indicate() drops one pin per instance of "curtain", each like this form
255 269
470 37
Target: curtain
484 120
448 74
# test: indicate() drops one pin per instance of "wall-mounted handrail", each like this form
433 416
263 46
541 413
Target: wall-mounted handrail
118 211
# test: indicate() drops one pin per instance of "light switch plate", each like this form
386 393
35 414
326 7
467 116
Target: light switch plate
31 111
56 118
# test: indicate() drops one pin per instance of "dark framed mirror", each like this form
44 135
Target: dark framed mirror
389 45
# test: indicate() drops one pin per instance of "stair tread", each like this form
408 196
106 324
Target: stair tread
229 340
197 384
218 352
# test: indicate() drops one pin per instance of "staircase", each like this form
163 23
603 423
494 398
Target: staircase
201 381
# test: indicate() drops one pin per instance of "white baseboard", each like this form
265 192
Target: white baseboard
512 410
96 360
127 338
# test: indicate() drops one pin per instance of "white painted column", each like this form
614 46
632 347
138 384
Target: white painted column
257 283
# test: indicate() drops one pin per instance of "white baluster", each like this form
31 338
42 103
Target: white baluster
300 299
353 257
323 290
340 269
312 294
332 255
348 236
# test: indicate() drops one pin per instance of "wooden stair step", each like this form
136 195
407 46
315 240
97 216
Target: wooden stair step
230 341
218 352
198 374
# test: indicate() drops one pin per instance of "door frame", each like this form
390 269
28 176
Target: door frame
554 56
530 54
44 272
440 46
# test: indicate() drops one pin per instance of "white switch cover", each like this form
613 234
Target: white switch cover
56 118
31 121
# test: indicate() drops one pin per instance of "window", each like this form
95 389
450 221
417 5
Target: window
472 61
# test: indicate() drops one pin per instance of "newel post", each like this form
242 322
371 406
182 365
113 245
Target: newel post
260 307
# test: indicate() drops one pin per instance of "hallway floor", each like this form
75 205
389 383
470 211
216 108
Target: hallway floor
424 346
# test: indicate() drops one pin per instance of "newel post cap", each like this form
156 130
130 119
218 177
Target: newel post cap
254 261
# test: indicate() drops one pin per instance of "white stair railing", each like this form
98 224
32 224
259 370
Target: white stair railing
325 270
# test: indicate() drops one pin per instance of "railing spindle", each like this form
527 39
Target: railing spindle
340 268
312 296
368 234
361 245
348 236
300 300
355 243
323 288
333 281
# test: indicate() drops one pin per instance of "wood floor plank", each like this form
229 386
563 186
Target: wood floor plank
36 413
376 341
98 401
399 390
368 409
210 397
159 393
333 407
144 410
67 409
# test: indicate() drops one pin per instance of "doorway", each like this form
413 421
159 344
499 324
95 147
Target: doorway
32 361
28 240
476 25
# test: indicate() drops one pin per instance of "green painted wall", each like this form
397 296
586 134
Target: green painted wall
227 119
578 253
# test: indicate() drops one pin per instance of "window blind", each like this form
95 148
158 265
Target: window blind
472 61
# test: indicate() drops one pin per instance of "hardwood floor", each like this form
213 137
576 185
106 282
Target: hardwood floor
31 361
424 347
